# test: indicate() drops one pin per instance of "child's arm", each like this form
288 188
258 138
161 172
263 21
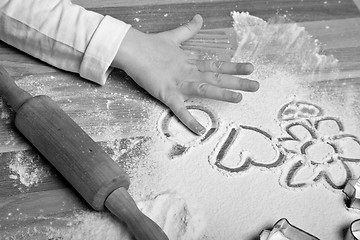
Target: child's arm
63 34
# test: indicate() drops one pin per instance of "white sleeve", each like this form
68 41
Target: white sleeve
63 34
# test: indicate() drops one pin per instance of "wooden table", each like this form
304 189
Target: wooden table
114 114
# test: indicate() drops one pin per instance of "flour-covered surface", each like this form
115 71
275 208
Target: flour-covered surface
283 152
168 210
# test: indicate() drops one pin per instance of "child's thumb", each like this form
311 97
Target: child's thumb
187 30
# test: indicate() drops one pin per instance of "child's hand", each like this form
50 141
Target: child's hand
158 64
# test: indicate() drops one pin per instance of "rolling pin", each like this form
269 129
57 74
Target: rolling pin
98 179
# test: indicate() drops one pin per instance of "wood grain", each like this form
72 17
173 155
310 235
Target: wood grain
160 17
357 3
24 212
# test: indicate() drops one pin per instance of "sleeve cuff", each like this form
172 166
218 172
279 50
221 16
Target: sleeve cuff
102 48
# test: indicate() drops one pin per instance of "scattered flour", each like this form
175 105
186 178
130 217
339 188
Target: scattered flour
4 111
289 124
171 213
27 171
168 210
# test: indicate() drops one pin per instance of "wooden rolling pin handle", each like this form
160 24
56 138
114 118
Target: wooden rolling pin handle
13 95
121 204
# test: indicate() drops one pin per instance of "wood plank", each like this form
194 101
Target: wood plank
307 10
155 18
357 3
334 34
348 57
15 166
18 171
20 64
21 214
127 3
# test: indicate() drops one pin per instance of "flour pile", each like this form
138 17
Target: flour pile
279 42
167 210
26 170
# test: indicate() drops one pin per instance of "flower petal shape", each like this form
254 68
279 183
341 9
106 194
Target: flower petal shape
298 133
301 174
319 152
329 126
349 147
336 174
290 145
299 110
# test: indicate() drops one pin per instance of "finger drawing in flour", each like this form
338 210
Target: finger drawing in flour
244 146
182 138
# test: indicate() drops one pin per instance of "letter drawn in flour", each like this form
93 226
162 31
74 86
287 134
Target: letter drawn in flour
317 147
244 146
182 138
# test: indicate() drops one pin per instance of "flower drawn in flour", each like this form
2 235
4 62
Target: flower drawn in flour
317 147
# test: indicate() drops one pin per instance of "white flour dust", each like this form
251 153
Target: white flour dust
26 171
4 111
283 152
168 210
281 43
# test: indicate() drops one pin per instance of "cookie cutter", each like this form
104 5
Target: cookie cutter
282 229
354 231
352 202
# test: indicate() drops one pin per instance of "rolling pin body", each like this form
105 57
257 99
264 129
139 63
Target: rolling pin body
99 180
70 150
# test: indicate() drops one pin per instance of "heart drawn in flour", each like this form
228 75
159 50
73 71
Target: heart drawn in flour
244 146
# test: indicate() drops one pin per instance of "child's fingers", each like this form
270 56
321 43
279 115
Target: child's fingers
230 82
204 90
178 107
186 31
225 67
